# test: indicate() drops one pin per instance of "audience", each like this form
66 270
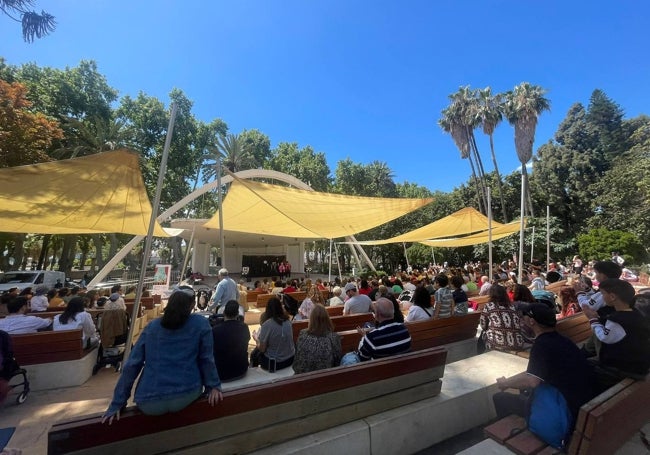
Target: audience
420 308
230 339
318 346
175 361
75 317
356 303
275 349
500 322
388 338
17 322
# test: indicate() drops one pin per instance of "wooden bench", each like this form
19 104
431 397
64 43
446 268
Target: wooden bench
263 299
48 347
336 310
298 295
479 301
250 418
251 296
426 334
436 332
145 302
603 425
341 323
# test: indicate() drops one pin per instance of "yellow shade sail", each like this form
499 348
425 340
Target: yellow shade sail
464 221
265 209
499 232
92 194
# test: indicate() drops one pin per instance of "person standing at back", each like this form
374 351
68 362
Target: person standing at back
225 291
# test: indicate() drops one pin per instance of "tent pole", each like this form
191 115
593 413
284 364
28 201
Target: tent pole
532 244
187 254
152 223
329 273
433 256
222 241
521 225
338 263
489 211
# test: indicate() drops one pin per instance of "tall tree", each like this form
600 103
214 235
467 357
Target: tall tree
34 25
258 144
304 163
524 104
460 119
25 135
233 153
490 112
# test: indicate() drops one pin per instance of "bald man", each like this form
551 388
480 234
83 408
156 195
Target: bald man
388 338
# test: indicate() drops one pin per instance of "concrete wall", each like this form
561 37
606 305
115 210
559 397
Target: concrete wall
44 376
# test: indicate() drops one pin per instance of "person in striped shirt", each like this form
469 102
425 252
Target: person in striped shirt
388 338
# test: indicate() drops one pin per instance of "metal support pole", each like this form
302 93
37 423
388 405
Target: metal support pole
152 223
222 239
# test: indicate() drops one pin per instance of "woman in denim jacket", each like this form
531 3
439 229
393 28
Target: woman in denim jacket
168 349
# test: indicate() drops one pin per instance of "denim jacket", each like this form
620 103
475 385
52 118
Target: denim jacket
177 362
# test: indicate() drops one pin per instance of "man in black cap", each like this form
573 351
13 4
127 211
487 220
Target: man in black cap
554 360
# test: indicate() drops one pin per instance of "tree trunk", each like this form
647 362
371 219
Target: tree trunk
496 171
98 262
45 246
529 199
19 250
477 185
479 167
65 264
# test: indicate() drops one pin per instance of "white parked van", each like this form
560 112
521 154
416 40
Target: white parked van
22 279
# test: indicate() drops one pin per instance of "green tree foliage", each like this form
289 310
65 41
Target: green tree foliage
258 144
588 174
34 25
303 163
598 244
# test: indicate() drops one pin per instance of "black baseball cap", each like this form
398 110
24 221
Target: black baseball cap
541 313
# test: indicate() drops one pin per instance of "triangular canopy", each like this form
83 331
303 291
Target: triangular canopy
464 221
503 230
261 208
92 194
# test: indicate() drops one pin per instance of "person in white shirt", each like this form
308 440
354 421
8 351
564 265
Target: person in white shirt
18 322
74 317
39 300
356 303
421 308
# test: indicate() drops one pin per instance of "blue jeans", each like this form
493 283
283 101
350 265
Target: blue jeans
167 405
350 359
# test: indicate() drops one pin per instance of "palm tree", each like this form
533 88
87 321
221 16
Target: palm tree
90 136
459 120
523 105
34 25
233 153
490 112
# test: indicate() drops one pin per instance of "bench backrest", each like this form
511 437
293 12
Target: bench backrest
576 327
145 302
336 310
426 334
436 332
298 295
47 347
341 323
263 299
251 296
480 301
329 397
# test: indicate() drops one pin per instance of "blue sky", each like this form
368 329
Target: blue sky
358 79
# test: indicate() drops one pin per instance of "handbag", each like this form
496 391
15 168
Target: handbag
480 343
549 417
